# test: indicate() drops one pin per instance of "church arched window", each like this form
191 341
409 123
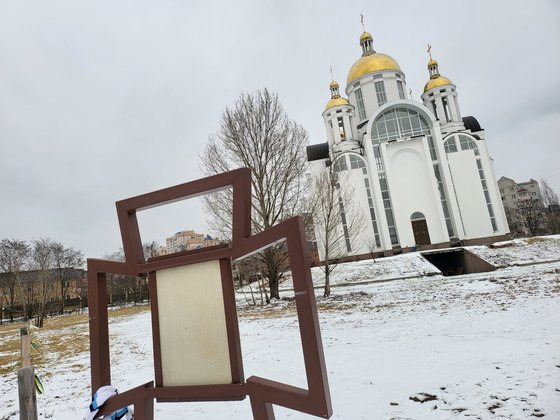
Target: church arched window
357 162
458 142
399 123
340 164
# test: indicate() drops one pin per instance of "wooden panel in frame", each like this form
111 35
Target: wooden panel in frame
232 339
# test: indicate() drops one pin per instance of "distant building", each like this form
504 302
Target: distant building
523 206
187 240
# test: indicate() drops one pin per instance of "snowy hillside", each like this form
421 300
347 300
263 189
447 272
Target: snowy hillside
425 347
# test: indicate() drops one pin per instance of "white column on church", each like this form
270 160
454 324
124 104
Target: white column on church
440 110
456 101
453 107
347 127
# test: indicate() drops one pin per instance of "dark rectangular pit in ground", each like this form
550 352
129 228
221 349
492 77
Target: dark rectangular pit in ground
457 261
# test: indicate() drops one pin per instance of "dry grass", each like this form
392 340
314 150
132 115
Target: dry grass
61 336
68 335
287 307
266 311
536 239
129 310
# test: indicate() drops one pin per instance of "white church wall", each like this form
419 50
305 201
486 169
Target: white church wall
336 249
391 89
413 189
376 190
493 189
368 95
364 238
354 196
452 203
469 194
370 98
330 134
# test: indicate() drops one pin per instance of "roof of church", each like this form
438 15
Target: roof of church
336 102
436 82
317 151
471 123
371 63
365 35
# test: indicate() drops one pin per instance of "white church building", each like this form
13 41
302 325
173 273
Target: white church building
420 173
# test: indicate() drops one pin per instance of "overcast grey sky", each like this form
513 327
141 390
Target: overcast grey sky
102 100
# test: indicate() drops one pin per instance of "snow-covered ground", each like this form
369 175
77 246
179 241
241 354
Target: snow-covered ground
474 346
521 251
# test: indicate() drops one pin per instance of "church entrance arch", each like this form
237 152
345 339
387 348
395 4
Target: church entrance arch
420 229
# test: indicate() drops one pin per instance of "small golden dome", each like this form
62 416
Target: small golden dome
365 35
436 82
336 102
333 84
432 62
371 63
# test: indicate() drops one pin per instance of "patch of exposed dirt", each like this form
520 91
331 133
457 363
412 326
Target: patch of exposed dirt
492 408
423 397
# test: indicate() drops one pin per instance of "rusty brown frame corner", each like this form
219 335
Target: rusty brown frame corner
263 393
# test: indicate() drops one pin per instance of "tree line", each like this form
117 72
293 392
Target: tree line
123 289
43 277
36 278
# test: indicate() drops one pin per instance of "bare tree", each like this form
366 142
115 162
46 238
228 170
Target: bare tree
140 283
532 217
64 262
373 248
126 289
150 249
256 133
114 281
514 221
42 261
14 256
551 204
337 220
120 287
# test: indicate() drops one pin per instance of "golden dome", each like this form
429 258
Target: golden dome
336 102
432 62
333 84
365 35
437 81
371 63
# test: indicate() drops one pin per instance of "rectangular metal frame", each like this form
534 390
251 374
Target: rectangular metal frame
262 392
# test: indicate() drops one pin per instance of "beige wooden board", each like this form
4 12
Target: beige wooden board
192 325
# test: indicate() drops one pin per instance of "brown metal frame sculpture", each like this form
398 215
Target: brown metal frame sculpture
263 393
